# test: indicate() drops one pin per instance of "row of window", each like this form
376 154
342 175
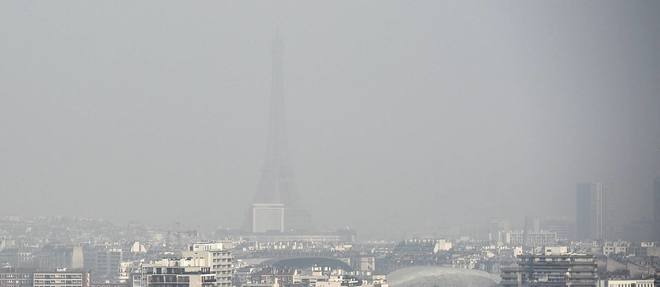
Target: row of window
57 281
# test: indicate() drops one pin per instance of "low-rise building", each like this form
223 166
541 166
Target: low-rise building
175 273
11 277
615 248
531 238
61 278
629 283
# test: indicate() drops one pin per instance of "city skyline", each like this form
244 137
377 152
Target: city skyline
341 143
403 118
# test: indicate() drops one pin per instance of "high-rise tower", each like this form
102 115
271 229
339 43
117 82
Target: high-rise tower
656 209
590 211
276 186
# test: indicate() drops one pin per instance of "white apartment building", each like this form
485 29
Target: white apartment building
217 256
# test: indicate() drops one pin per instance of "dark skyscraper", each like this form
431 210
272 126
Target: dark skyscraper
656 209
590 211
276 185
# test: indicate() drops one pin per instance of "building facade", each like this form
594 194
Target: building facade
531 238
217 256
630 283
551 270
104 263
61 278
11 277
174 273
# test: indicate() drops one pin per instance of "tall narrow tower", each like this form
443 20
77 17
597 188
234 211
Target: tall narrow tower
590 211
276 190
276 183
656 209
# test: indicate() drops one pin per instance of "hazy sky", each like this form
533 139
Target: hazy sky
401 115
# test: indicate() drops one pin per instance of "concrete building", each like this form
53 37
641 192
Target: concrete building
367 264
590 211
125 269
630 283
531 238
17 257
562 226
555 250
103 262
616 247
551 270
52 257
108 263
267 217
138 248
442 245
121 284
77 258
217 256
61 278
11 277
175 273
656 209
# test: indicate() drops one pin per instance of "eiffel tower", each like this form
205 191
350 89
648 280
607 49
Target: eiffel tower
276 205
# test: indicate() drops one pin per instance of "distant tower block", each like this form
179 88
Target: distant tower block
590 211
77 258
656 209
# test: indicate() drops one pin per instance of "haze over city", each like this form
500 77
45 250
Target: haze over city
402 117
